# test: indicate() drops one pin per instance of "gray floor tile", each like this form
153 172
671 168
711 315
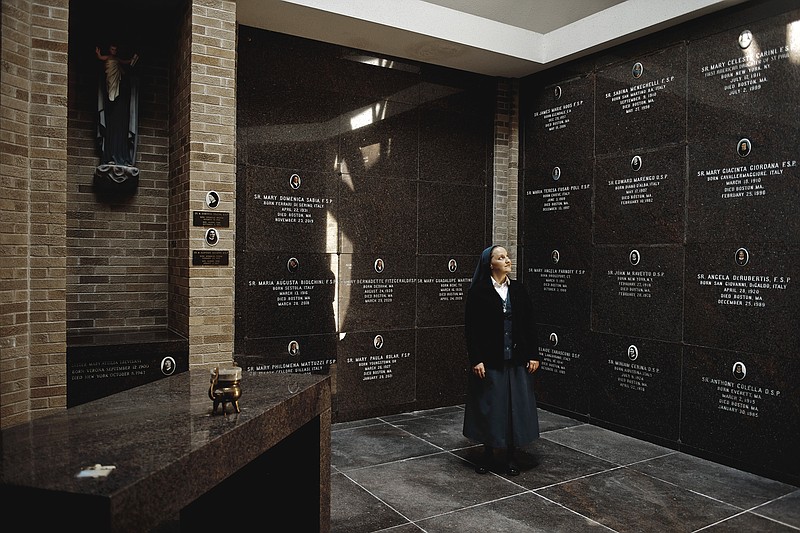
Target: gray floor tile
785 509
375 444
629 501
354 510
523 513
714 480
442 429
605 444
749 523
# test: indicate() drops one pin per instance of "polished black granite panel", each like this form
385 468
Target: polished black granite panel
637 291
101 364
456 90
562 379
377 215
375 370
452 218
754 197
641 103
286 293
635 383
742 407
743 296
558 122
743 81
168 451
379 139
297 353
287 210
455 146
443 366
367 77
559 280
281 129
376 291
442 283
641 198
558 201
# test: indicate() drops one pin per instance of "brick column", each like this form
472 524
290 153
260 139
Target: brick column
203 159
505 199
33 161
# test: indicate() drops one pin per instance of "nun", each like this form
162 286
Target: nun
500 329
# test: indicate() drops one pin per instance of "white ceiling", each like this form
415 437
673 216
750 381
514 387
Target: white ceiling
508 38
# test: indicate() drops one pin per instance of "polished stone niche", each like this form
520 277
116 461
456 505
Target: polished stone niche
288 209
379 138
743 296
561 380
637 291
750 194
375 370
377 215
452 218
744 80
559 280
559 122
636 384
442 286
301 354
641 198
283 292
558 200
641 103
102 364
443 367
376 291
743 407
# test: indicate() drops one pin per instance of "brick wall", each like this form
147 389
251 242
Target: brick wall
506 168
33 108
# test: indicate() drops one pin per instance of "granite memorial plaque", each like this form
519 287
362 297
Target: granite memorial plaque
561 380
452 218
640 198
443 366
743 407
641 103
366 77
637 291
379 139
289 210
559 280
455 146
302 354
558 201
740 188
559 122
376 291
744 81
636 384
102 364
284 293
743 296
377 215
375 370
442 285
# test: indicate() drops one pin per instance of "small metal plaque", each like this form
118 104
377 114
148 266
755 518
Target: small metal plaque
211 219
210 257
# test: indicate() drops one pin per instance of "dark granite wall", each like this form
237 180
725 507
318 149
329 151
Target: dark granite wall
661 236
363 191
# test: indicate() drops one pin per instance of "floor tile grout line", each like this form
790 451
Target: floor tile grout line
573 511
377 498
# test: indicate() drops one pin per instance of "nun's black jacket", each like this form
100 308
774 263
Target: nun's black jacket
483 323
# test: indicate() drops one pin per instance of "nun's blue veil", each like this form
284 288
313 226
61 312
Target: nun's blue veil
484 270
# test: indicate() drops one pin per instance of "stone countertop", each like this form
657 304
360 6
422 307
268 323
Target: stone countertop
163 440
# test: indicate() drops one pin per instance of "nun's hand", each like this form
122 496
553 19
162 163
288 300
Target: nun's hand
533 366
479 370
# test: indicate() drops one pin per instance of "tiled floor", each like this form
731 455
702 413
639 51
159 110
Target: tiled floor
413 472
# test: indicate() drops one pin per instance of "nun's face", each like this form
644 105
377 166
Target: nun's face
500 263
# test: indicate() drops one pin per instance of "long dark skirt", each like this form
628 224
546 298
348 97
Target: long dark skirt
501 408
